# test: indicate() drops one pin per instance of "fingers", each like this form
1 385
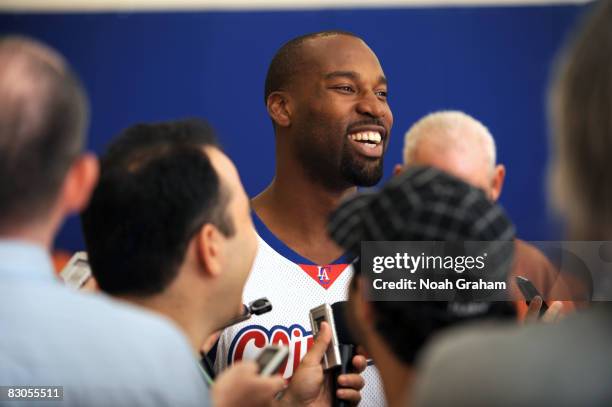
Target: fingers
360 363
533 312
351 381
90 285
316 352
553 313
246 367
350 395
361 351
272 385
258 390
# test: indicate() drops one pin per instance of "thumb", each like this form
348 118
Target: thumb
533 312
315 354
274 383
553 313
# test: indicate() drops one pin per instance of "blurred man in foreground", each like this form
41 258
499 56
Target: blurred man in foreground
394 332
102 353
169 228
569 363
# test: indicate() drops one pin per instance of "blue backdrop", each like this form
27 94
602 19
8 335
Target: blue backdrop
491 62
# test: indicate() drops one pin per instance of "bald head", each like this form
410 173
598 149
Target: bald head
289 58
458 144
42 120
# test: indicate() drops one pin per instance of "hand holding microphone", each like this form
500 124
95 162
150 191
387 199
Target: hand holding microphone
310 385
254 390
349 360
339 358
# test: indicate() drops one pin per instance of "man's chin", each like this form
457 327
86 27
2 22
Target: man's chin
364 177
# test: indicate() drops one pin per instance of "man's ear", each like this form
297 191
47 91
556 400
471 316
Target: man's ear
497 185
279 108
79 183
208 246
397 170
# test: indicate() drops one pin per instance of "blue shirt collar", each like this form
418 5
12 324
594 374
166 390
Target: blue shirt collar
23 259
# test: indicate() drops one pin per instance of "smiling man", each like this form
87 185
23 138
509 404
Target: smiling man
326 94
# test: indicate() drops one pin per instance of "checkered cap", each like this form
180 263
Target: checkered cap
422 204
425 204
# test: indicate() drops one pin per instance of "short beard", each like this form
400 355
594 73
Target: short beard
361 173
322 166
352 172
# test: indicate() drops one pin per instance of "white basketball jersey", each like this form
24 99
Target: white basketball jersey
294 286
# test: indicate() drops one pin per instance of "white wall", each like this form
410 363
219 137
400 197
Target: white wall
133 5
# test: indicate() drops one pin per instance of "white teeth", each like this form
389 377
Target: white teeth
372 136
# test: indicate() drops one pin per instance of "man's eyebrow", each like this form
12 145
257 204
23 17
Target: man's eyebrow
342 74
352 75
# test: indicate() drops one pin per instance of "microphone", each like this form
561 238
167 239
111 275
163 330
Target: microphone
339 355
258 307
340 318
347 345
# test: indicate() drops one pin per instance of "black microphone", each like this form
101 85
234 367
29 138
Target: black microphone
347 347
343 331
258 307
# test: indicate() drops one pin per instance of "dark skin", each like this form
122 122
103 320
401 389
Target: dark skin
340 89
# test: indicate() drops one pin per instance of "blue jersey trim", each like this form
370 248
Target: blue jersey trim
285 251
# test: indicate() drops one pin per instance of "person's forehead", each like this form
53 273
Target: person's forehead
467 165
226 170
223 165
339 53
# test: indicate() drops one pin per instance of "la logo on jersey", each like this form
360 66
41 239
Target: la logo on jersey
324 275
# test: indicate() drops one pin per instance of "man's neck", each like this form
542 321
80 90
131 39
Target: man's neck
296 210
38 229
38 234
178 311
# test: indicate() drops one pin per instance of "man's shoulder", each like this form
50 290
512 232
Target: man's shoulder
498 341
145 332
92 342
502 358
55 304
111 312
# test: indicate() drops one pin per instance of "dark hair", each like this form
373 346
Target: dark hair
407 326
284 63
157 188
43 116
429 205
581 110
